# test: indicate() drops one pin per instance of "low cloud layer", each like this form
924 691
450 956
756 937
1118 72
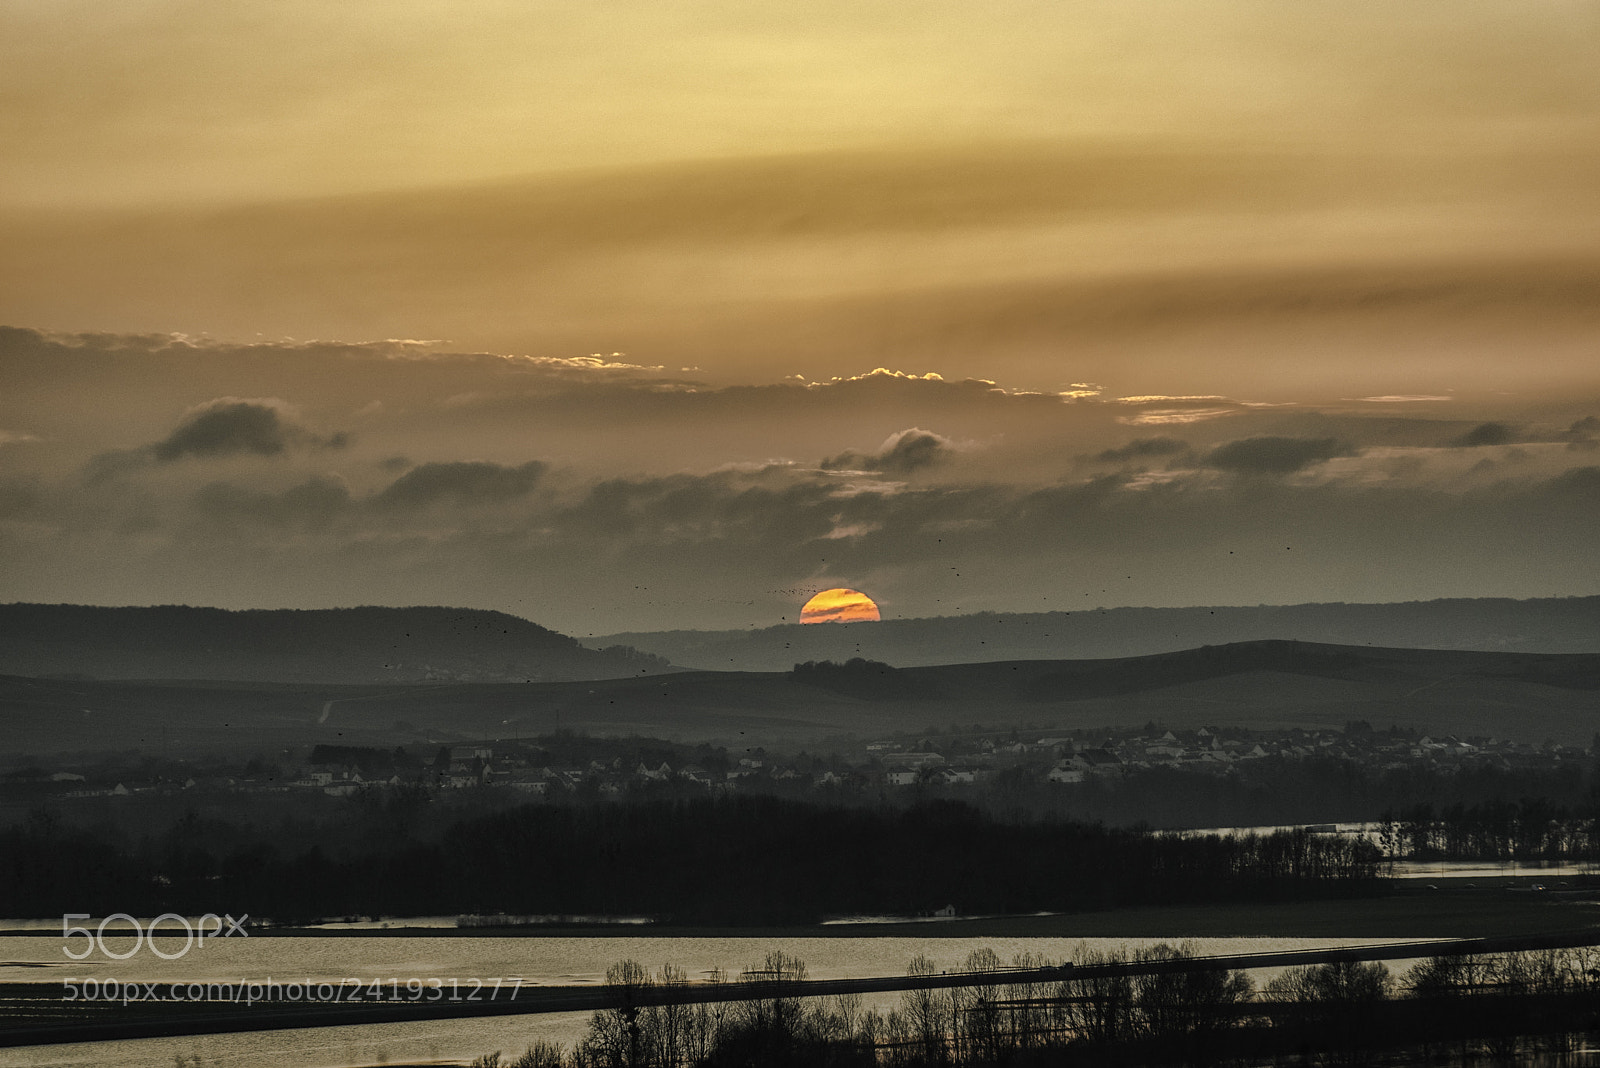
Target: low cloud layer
1143 449
1274 455
461 482
603 494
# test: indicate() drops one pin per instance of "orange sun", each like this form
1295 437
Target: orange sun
839 606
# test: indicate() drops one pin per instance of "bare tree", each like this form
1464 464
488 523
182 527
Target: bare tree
927 1014
614 1039
1099 1010
541 1054
667 1026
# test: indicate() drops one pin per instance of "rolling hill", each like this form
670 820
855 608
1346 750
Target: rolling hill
338 645
1547 625
1258 685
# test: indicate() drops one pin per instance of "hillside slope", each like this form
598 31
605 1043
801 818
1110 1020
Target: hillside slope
338 645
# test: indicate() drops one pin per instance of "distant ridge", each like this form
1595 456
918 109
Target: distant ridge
333 645
1266 685
1544 625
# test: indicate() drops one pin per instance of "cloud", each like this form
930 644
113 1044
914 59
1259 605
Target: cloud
591 417
1578 487
230 426
885 372
675 550
313 503
1164 410
1274 455
1156 398
1583 435
1175 416
1144 449
223 428
18 496
675 491
461 482
1486 434
900 454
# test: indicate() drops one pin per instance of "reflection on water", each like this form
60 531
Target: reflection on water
444 1042
538 960
552 960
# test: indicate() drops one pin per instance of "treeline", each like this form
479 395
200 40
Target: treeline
1530 830
1272 791
868 679
1341 1012
730 860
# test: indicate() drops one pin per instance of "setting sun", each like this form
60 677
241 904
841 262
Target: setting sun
839 606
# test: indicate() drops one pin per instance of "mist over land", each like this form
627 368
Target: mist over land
1549 625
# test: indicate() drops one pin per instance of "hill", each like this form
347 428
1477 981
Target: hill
337 645
1547 625
1258 685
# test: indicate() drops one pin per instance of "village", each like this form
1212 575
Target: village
953 761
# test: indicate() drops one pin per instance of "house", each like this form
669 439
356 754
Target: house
1097 762
902 777
696 774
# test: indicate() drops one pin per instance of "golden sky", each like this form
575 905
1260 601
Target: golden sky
1177 190
165 100
216 218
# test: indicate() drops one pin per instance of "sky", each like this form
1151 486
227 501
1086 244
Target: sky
621 315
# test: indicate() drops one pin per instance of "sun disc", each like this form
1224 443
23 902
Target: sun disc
840 606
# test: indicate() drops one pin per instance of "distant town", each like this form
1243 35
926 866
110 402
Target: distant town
1079 772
